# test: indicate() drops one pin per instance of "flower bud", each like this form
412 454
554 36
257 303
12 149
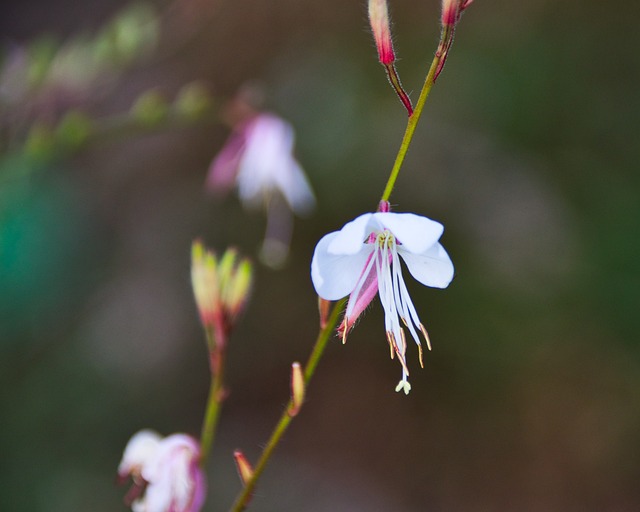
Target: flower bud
193 101
238 289
379 19
205 282
297 389
150 109
245 470
221 286
450 12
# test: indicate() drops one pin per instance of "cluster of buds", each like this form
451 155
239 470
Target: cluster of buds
221 287
166 473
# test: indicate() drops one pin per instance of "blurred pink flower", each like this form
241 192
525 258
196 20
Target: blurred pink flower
258 159
165 471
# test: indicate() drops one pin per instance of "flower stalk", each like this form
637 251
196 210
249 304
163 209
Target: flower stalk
451 11
316 354
216 395
221 288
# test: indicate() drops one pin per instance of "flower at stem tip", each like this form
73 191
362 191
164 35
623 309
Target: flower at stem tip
362 260
165 471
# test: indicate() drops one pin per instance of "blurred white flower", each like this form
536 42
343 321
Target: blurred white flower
258 158
165 472
363 259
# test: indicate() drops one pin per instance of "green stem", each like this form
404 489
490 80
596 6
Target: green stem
316 354
413 119
216 397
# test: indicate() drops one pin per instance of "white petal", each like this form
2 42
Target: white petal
414 232
335 275
139 450
432 268
266 157
296 188
350 239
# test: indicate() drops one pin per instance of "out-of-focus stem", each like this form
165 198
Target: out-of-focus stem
216 395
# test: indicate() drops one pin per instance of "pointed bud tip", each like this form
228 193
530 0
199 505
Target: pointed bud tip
245 469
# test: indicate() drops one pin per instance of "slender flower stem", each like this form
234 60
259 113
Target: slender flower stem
216 397
316 354
394 79
436 65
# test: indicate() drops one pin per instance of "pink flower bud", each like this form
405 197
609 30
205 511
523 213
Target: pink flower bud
450 12
379 19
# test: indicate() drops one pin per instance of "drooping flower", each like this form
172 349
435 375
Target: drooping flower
165 472
258 158
363 259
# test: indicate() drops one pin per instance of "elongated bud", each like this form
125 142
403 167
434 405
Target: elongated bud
245 469
238 289
324 308
450 12
221 287
297 389
379 19
205 282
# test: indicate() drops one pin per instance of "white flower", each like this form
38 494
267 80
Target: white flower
165 471
363 259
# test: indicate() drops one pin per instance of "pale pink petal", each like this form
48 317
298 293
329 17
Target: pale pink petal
224 167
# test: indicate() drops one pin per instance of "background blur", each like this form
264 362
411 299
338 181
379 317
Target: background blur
527 152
